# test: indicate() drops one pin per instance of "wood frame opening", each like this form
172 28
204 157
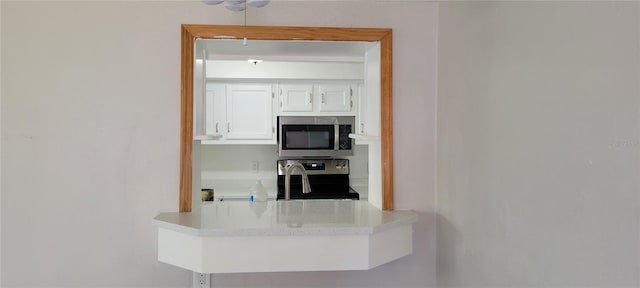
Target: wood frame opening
192 32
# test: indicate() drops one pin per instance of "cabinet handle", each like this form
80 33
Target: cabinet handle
217 127
310 98
323 100
228 127
362 128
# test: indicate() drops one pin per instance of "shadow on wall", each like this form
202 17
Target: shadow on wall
450 249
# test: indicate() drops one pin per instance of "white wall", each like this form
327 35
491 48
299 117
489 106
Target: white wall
538 144
0 152
90 133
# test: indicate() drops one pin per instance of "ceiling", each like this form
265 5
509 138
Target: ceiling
233 49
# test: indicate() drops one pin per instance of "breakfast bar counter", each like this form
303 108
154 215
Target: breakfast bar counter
298 235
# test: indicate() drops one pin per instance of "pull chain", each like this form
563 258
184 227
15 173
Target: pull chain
244 41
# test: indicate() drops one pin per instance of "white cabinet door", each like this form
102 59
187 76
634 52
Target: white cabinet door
249 113
361 117
208 106
216 114
296 98
335 97
368 116
199 107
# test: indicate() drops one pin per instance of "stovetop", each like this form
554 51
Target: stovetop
322 187
328 179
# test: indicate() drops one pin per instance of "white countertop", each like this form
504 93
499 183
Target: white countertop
296 217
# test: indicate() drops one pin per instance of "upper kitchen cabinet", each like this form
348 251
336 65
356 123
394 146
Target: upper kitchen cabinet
240 113
311 79
201 129
296 98
336 97
368 110
249 112
318 99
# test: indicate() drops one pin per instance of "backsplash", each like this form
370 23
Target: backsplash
237 162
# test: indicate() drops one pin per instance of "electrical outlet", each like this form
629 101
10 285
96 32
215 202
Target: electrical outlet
201 280
255 166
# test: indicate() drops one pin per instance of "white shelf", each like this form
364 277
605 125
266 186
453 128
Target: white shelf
207 137
365 137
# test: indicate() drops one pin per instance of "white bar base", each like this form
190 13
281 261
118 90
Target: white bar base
223 254
279 236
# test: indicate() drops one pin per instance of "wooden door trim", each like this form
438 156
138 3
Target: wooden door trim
191 32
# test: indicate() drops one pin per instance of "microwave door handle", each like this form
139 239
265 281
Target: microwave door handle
336 137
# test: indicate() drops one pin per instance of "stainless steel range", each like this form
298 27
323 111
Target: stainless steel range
328 179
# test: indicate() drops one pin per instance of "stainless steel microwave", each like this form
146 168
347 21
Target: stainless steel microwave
315 136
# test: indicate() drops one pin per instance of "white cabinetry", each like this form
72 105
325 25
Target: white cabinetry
240 113
335 97
368 109
296 98
317 99
361 116
216 110
367 118
249 111
200 119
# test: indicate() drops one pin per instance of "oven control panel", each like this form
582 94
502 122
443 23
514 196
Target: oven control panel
316 166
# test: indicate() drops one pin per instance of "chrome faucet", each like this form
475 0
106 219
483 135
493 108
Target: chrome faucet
287 179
